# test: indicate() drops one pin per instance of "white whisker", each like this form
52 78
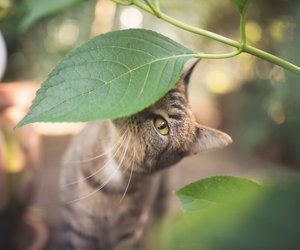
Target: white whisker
129 180
98 171
105 183
101 155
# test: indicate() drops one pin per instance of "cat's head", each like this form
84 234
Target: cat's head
167 131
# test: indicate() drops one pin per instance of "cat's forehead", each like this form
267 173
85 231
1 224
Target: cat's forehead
174 99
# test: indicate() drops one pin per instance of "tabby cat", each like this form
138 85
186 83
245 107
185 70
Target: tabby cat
111 183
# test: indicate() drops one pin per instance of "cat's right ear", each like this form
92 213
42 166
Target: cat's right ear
208 139
188 69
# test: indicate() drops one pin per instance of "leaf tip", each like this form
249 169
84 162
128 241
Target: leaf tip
22 122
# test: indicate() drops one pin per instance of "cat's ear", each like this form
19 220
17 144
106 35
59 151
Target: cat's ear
188 69
209 139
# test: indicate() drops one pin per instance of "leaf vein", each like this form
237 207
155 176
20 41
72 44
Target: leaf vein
129 72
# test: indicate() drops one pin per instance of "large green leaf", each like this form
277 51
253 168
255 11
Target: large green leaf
214 190
42 8
241 5
112 75
268 220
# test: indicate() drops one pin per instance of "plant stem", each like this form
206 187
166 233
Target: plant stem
243 29
240 46
157 5
188 27
219 56
271 58
124 3
153 8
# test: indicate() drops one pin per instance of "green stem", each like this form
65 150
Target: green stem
190 28
157 6
240 46
124 3
219 56
153 8
271 58
243 29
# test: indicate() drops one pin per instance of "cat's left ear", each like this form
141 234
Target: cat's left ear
209 139
188 69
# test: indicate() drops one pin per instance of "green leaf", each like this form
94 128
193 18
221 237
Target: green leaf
42 8
241 5
268 220
214 190
112 75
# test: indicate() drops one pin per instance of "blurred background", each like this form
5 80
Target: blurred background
254 101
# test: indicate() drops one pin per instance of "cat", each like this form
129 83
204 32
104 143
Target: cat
111 178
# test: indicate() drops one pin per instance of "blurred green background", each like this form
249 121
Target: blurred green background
254 101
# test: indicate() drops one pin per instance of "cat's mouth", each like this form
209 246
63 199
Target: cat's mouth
167 160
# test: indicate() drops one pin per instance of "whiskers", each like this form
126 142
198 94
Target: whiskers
130 176
110 159
127 139
119 142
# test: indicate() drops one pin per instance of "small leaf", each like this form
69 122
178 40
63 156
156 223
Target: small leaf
214 190
112 75
42 8
241 5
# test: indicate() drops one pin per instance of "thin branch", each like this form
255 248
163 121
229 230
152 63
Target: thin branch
190 28
241 46
243 30
157 5
155 11
219 56
272 58
124 3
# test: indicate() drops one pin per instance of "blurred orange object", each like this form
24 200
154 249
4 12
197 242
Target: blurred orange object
19 159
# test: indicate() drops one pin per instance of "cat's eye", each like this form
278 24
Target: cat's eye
161 126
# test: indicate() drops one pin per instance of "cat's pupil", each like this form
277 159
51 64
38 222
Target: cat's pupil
162 125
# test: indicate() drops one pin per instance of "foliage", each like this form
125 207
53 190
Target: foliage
267 110
221 212
24 13
42 8
240 215
112 75
241 5
85 87
214 190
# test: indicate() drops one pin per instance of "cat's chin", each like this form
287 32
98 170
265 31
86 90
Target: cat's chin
164 163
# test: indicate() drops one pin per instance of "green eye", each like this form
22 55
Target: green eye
161 126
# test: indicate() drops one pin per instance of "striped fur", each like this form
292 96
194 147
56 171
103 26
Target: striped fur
111 183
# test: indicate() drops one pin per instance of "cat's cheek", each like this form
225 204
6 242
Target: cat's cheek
193 151
164 142
159 139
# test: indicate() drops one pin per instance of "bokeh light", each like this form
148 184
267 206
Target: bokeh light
254 31
131 17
